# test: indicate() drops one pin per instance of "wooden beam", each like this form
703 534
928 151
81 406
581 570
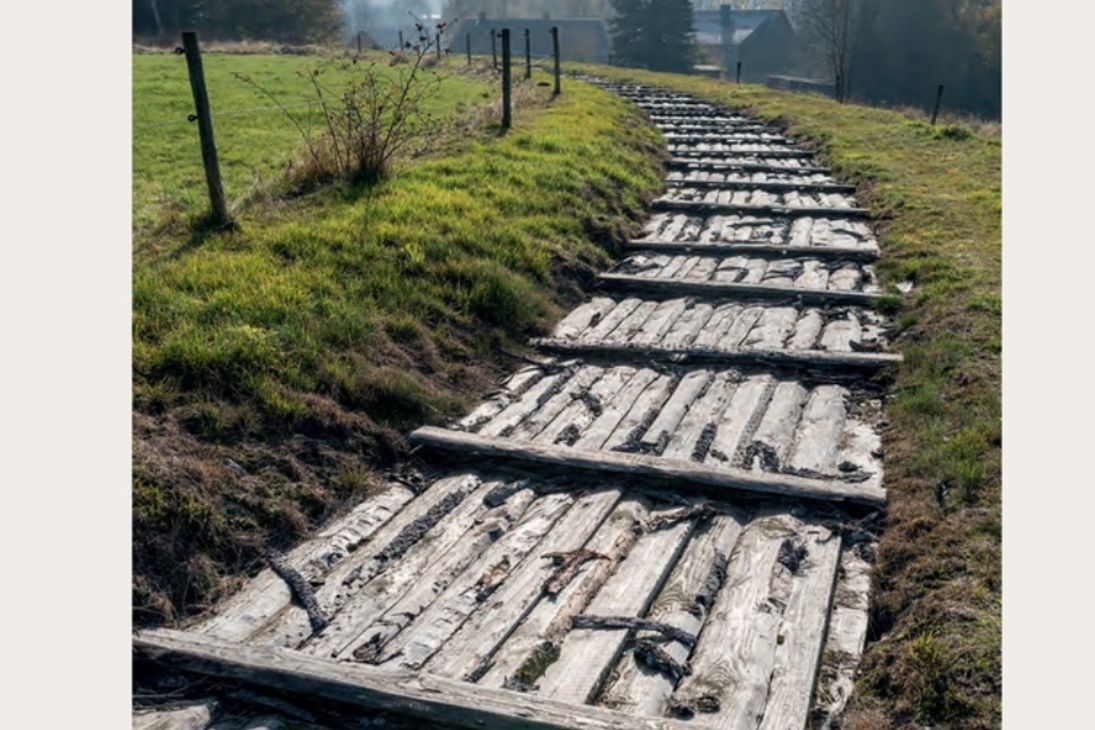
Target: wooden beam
777 357
742 153
642 465
679 288
697 207
771 185
759 248
447 702
693 164
717 137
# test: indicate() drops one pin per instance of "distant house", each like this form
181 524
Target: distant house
580 39
762 40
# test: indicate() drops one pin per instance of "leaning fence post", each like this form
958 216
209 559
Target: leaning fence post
507 114
205 126
493 49
528 55
468 40
439 48
938 101
739 72
555 50
401 40
359 41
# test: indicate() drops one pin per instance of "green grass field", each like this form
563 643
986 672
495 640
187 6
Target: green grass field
301 346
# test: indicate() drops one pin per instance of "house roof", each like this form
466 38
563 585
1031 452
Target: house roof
707 24
579 38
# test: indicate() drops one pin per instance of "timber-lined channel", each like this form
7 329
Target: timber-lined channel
667 522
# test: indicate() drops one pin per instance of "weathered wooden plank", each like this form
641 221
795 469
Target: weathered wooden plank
659 321
847 278
642 465
529 403
587 655
581 412
574 387
722 319
771 329
676 263
777 186
639 689
429 698
839 334
703 414
688 325
514 388
602 428
611 320
735 652
267 595
740 419
741 326
691 387
443 552
641 414
755 270
807 329
815 275
583 317
475 641
550 619
756 246
192 716
291 625
774 436
802 633
420 640
816 449
658 288
743 164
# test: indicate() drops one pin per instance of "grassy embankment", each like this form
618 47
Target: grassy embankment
934 653
276 367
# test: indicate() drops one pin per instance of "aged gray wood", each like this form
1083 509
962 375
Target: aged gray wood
290 626
521 409
579 414
550 619
638 688
735 653
546 413
798 650
839 334
772 441
266 595
654 467
611 320
697 207
807 329
473 643
742 165
416 694
688 326
769 185
660 321
648 401
771 329
713 289
740 419
722 319
707 410
757 247
582 318
689 388
194 716
604 425
631 324
442 553
820 431
742 325
418 642
587 655
514 388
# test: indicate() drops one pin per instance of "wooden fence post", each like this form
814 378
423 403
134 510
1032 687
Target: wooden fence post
507 113
938 101
493 49
401 40
555 50
468 39
739 72
359 41
439 48
205 126
528 54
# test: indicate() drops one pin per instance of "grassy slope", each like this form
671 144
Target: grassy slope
934 655
275 367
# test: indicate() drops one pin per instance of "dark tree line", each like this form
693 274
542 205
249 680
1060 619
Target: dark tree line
653 34
284 21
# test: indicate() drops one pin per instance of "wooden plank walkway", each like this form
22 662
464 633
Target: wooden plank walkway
663 522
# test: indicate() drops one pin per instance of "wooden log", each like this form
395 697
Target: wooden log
816 449
602 428
839 334
639 689
582 318
434 619
587 655
755 271
642 465
788 209
740 420
738 151
704 412
580 413
810 359
550 619
688 326
475 641
290 626
703 269
741 165
777 186
772 328
632 324
722 319
712 289
611 320
191 716
802 633
641 414
848 278
675 264
860 449
513 389
574 387
734 657
428 698
815 275
742 325
439 556
731 269
807 329
267 595
691 387
660 320
512 415
772 441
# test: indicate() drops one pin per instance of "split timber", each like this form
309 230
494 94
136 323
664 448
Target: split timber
662 523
